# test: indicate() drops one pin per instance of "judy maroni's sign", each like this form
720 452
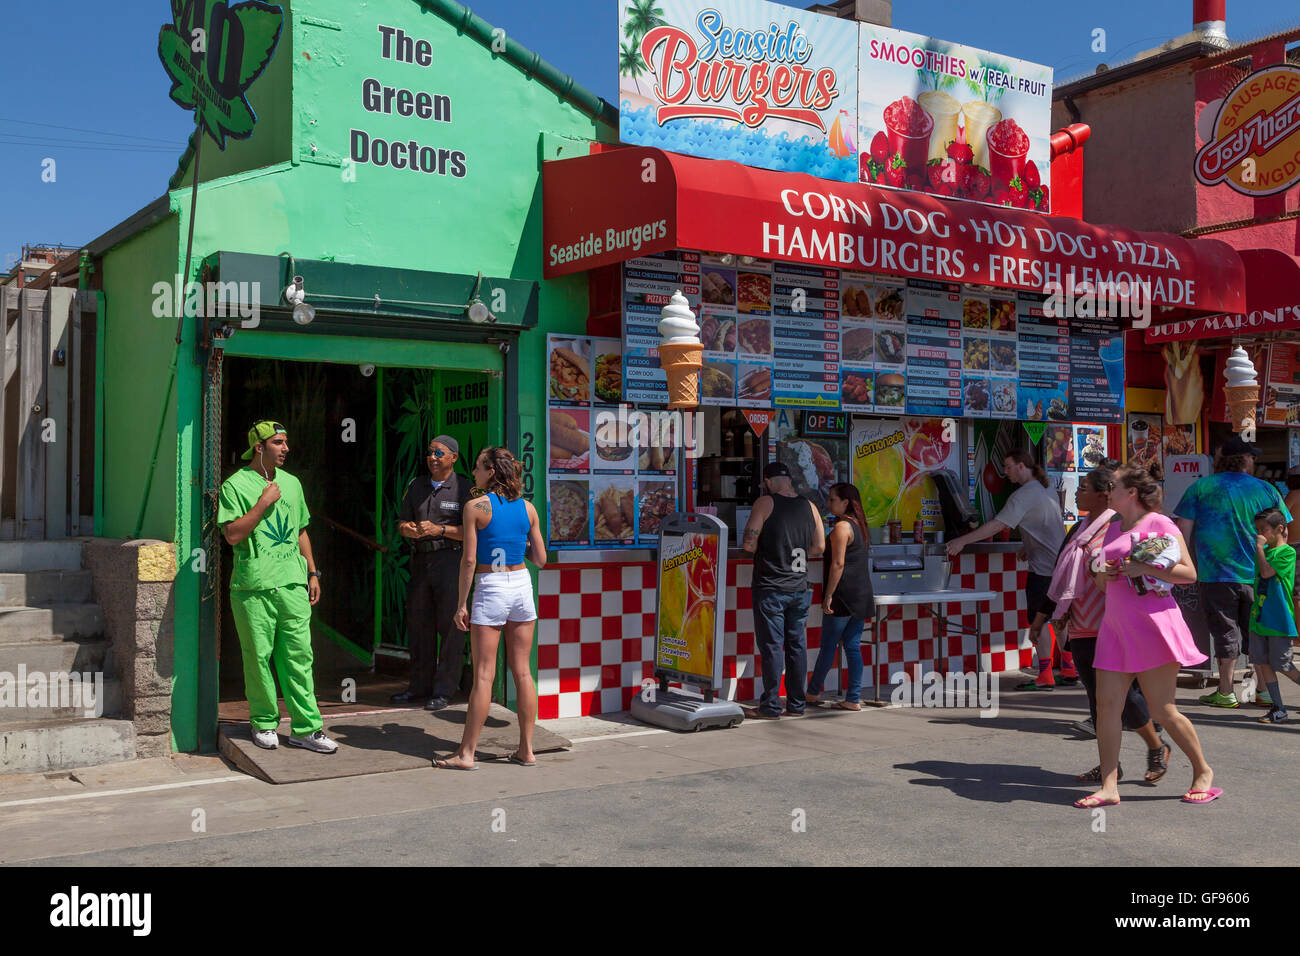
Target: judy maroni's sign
760 83
1254 142
776 87
214 51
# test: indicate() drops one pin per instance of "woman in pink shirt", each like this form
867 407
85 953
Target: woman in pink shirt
1082 603
1143 633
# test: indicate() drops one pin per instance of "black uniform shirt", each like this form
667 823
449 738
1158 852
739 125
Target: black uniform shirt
444 506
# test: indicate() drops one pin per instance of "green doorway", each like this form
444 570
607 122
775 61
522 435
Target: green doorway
357 434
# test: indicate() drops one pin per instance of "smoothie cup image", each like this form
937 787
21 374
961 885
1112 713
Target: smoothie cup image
907 128
1008 149
1112 359
979 117
942 110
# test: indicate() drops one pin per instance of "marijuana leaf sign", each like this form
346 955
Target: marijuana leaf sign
277 528
213 51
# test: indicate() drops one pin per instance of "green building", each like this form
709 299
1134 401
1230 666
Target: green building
396 167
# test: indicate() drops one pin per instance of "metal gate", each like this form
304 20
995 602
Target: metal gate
47 421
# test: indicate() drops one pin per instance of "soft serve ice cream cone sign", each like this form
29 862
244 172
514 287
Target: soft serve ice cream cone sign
760 83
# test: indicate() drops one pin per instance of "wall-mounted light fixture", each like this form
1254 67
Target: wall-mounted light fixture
295 295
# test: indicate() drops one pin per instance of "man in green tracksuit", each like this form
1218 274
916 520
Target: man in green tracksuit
272 589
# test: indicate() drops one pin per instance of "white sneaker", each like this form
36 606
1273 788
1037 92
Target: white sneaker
317 742
266 739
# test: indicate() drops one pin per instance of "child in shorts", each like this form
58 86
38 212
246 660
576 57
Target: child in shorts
1272 618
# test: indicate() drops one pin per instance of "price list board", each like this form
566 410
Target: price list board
805 336
1043 347
1096 370
934 348
648 283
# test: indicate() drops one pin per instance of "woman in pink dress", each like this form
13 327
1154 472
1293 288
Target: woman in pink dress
1143 633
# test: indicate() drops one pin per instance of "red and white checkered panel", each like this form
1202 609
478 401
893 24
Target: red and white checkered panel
595 630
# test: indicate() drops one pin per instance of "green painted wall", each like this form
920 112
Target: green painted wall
137 351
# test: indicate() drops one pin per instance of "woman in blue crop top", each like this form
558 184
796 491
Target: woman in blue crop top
500 529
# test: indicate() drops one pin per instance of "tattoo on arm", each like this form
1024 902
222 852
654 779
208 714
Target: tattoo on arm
750 533
483 506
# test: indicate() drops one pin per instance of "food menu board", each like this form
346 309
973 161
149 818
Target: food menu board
805 335
1282 396
934 348
1096 368
1043 354
1145 444
789 335
610 470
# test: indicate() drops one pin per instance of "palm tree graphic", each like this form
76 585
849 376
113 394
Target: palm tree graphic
277 528
642 16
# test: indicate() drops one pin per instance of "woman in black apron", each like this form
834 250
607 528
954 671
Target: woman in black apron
847 601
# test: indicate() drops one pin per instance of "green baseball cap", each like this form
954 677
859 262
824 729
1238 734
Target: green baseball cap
261 432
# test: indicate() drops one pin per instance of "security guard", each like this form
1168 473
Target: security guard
273 586
430 519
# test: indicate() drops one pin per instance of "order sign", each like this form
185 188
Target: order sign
692 575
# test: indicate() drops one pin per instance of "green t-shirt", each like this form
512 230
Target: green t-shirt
269 557
1273 613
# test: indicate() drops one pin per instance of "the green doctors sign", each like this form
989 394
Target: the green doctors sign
213 51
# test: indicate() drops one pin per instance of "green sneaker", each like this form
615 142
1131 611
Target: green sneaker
1220 700
1263 698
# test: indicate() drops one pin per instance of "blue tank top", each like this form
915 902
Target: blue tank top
506 532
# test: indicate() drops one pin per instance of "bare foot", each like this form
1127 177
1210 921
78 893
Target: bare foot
1202 781
455 762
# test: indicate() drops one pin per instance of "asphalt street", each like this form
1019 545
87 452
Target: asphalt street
895 786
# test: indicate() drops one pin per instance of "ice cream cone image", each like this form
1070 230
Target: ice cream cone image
1242 390
682 363
681 353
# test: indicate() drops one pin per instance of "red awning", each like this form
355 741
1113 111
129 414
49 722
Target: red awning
1272 302
634 201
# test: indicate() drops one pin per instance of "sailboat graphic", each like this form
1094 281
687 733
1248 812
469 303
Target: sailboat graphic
841 135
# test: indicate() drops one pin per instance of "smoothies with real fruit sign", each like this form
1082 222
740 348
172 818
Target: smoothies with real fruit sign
951 120
759 83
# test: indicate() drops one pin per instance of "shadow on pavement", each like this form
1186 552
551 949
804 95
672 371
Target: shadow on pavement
1006 783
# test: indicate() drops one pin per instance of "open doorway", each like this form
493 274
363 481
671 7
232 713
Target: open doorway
357 435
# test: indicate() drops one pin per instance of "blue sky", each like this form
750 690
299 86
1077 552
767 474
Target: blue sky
94 71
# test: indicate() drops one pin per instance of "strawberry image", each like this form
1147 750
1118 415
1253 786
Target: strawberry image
1001 197
976 182
880 148
916 181
896 171
960 153
934 174
1043 202
1032 179
864 168
1018 193
947 189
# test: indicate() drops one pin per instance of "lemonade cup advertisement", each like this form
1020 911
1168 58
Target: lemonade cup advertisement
691 572
952 120
760 83
893 461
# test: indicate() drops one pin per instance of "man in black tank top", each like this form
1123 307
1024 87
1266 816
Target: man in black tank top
784 533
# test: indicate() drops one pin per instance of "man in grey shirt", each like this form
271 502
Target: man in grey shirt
1035 510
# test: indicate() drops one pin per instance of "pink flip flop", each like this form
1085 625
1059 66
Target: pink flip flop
1214 794
1092 803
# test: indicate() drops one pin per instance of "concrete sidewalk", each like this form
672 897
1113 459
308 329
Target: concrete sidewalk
921 786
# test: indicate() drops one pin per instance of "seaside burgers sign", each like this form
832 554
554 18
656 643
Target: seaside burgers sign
1255 147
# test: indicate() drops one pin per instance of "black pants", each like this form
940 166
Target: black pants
1135 713
430 608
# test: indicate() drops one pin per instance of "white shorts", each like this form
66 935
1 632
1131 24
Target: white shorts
501 596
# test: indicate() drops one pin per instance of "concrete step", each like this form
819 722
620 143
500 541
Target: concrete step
43 588
60 703
38 623
20 556
53 655
40 746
